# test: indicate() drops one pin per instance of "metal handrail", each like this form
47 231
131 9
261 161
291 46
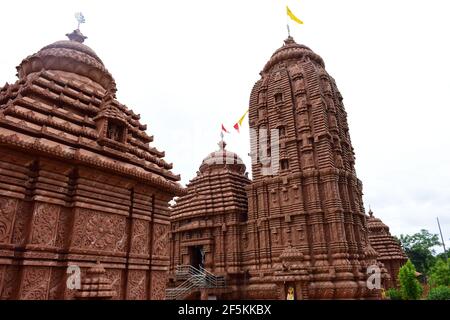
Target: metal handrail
196 279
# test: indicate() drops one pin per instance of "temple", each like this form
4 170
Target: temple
301 232
80 184
84 197
389 250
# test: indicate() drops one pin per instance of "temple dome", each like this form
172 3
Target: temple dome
70 56
292 51
223 158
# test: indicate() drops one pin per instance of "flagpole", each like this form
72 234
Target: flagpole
442 238
287 25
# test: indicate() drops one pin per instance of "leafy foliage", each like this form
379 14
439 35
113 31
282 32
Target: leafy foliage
410 287
439 293
419 249
394 294
440 273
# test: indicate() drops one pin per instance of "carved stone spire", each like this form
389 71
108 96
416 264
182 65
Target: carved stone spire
96 285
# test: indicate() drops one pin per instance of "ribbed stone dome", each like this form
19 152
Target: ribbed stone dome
223 158
70 56
292 51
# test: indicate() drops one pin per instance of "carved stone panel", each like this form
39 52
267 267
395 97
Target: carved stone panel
35 283
158 285
139 242
45 220
64 228
160 240
115 275
136 285
7 209
9 287
22 223
57 283
99 231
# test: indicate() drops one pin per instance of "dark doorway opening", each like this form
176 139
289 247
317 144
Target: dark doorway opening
197 256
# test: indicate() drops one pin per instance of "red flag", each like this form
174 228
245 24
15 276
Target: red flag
236 126
225 130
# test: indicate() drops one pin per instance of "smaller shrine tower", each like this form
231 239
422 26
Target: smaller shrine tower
206 227
390 252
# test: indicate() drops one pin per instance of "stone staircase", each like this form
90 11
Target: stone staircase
193 280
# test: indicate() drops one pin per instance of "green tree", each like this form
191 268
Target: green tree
419 249
439 293
410 287
440 273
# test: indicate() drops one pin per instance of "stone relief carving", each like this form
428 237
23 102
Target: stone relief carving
20 224
100 231
115 276
136 285
57 283
34 283
7 210
160 240
139 242
44 225
8 290
158 285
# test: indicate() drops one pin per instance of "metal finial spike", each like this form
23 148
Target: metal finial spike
80 18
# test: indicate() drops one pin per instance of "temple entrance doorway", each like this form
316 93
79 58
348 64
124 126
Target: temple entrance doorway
290 291
197 256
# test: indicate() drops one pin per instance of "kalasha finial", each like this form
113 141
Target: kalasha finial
222 144
370 211
76 35
289 40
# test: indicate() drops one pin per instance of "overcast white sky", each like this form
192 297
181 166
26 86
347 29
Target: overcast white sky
188 66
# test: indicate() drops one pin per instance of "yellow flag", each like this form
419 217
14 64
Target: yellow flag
292 16
242 118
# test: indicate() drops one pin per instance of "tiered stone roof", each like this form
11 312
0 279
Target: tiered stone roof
383 242
61 106
95 285
217 188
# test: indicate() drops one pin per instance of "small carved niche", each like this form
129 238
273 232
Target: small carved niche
116 131
278 97
262 113
282 131
284 164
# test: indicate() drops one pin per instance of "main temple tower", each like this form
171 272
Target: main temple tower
306 232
